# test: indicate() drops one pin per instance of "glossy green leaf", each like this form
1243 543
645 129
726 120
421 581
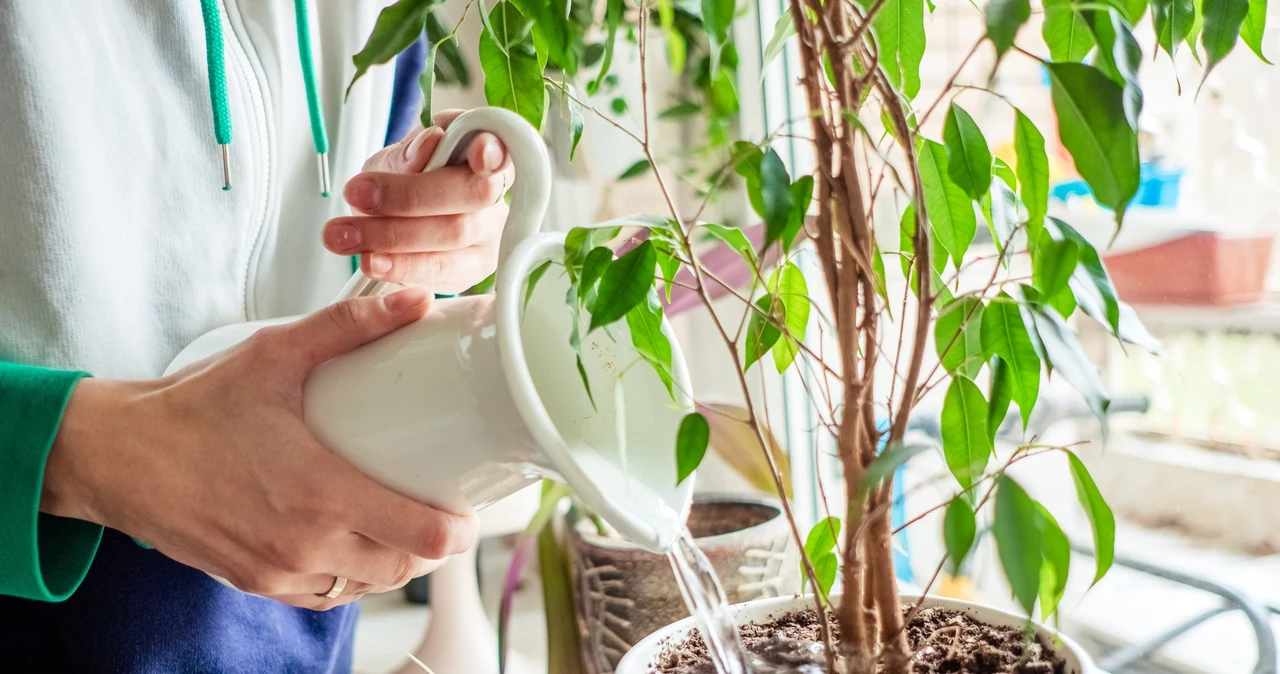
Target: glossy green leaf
1055 565
732 237
1090 272
626 283
1197 27
717 17
1222 22
644 321
968 158
1001 170
554 32
959 527
1101 518
1063 350
762 333
775 195
1065 32
747 159
951 215
801 197
899 32
635 170
450 67
1064 302
576 121
426 82
397 27
788 285
1033 168
1173 20
1052 263
887 463
877 268
512 79
534 277
1001 395
783 30
965 442
586 383
1119 56
580 241
957 336
825 568
822 537
906 240
1002 214
1094 128
1133 10
691 445
1004 18
1255 24
1005 335
593 268
669 264
1016 526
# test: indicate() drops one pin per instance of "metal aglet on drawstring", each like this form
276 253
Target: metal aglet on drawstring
226 166
322 163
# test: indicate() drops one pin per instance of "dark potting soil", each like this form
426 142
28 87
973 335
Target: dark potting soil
943 641
713 518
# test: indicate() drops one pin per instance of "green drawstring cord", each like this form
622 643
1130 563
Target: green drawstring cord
218 89
318 134
218 84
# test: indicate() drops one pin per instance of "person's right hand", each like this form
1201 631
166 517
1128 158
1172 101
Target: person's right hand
213 467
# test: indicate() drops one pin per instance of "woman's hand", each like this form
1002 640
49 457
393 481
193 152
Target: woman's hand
214 467
438 229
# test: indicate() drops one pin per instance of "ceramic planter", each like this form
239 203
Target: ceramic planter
1205 268
640 660
624 593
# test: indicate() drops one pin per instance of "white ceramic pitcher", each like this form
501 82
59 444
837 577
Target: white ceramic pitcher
482 396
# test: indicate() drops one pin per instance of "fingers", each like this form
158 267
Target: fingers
403 524
444 191
378 234
448 272
345 325
410 155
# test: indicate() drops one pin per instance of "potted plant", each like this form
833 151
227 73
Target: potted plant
983 346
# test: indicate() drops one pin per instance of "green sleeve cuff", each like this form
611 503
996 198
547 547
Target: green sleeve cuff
41 556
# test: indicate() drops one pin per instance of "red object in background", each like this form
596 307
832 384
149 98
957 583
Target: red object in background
1201 269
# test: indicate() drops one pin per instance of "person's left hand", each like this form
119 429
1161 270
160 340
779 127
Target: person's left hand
438 229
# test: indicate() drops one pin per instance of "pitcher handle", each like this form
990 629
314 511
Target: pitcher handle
530 193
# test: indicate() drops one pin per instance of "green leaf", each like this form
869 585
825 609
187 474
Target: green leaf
645 323
397 27
1063 351
625 284
1119 56
1065 32
801 196
957 336
450 67
887 463
582 240
1064 302
783 30
1055 565
968 158
635 170
1004 18
1197 27
586 383
1001 395
950 212
614 10
1094 128
1100 516
1033 167
899 31
1222 22
426 81
717 17
669 264
554 32
1173 20
1090 272
825 568
1052 263
1255 24
734 238
822 537
593 268
534 277
877 268
906 239
965 442
1133 10
1003 171
681 110
762 333
788 285
691 445
1017 531
1005 335
512 79
775 196
576 121
1003 214
959 527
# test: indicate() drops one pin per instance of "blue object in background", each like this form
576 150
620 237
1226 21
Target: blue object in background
898 515
1159 187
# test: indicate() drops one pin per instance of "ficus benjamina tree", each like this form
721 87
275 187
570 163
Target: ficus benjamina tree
985 348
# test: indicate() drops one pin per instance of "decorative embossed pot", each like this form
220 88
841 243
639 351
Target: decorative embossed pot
624 593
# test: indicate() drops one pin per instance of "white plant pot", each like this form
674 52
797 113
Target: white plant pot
641 659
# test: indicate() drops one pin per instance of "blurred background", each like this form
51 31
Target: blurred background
1192 465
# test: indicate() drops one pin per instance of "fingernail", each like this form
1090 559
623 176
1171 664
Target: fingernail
379 264
411 150
409 298
492 157
363 193
342 237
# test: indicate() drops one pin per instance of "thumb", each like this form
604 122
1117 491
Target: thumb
410 155
346 325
